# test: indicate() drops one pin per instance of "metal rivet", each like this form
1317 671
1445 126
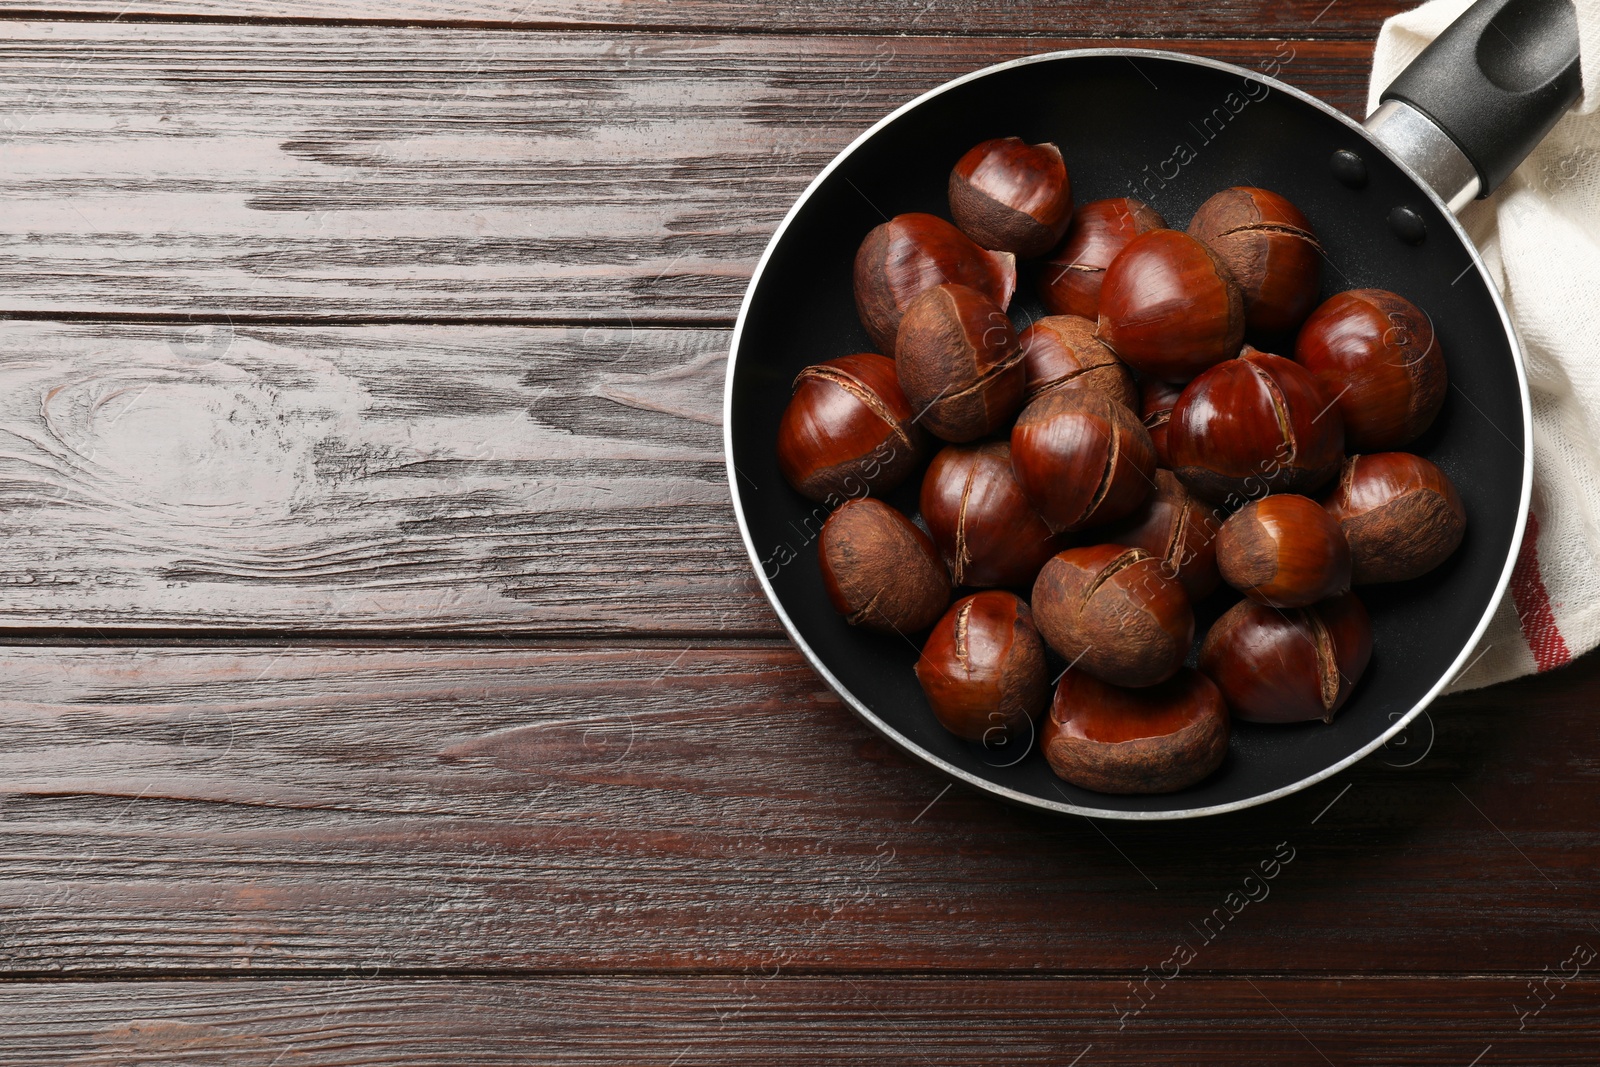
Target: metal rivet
1349 168
1408 225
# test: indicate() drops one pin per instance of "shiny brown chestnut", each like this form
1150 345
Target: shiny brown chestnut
1176 528
1081 459
1254 425
1400 513
1111 611
1062 352
1156 739
983 669
1288 665
1377 358
879 570
979 517
848 430
1012 196
901 259
1155 407
959 363
1070 282
1284 551
1170 307
1272 252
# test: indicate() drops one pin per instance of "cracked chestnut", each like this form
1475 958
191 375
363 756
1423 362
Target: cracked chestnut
1284 551
879 570
980 519
1174 526
1157 739
1070 282
847 430
959 363
983 669
1170 307
1270 249
1253 425
1155 408
1012 196
901 259
1288 665
1109 610
1377 358
1062 352
1400 513
1081 459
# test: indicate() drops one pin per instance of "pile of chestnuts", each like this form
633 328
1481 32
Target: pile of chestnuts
1187 422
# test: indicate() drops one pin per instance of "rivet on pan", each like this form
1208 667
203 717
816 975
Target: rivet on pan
1408 225
1349 168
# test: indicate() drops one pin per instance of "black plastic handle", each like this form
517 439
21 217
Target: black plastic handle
1497 80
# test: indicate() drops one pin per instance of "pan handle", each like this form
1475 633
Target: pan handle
1482 95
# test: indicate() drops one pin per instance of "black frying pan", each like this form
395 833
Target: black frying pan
1380 198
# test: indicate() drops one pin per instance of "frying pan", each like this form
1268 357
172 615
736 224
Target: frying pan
1172 129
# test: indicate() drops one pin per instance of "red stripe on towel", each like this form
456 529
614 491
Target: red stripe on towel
1533 604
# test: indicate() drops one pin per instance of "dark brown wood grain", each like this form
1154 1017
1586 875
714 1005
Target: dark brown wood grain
400 478
694 1021
1140 18
361 334
382 173
303 810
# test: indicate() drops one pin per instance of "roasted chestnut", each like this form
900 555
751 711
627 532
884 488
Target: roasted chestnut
1180 531
1062 352
1155 407
879 570
1012 196
848 430
1081 459
983 669
959 363
1284 551
1378 360
1254 425
1294 665
1271 251
983 524
1156 739
1070 282
1169 306
1111 611
1400 513
902 258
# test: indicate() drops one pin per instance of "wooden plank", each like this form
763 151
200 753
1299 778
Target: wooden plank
376 173
693 1021
1085 18
403 478
298 810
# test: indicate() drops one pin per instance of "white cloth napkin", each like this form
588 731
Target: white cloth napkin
1540 235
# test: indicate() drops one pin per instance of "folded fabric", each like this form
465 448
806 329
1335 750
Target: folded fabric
1540 236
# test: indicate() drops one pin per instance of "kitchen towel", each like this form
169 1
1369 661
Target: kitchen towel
1540 236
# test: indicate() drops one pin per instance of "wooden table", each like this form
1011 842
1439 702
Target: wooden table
381 679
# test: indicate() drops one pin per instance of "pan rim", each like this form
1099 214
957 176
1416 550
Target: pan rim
1064 807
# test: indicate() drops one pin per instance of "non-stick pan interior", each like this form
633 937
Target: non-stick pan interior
1170 132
